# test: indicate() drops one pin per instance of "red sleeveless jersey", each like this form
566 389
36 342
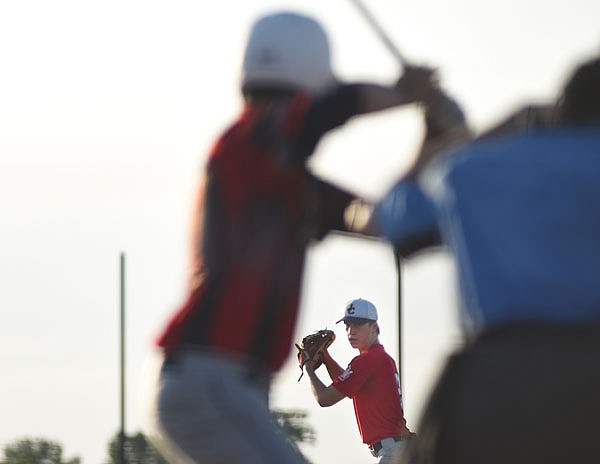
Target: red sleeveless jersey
261 207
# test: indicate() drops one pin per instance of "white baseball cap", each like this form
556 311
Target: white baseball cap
288 49
359 311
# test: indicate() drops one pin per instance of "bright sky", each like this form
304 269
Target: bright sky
107 110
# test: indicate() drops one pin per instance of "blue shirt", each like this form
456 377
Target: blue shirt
521 215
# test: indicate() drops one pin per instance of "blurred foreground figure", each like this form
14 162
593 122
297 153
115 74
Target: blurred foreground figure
259 207
521 214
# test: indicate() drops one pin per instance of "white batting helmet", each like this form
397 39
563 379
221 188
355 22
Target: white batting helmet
287 50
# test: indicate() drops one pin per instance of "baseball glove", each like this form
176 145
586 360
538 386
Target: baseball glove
311 348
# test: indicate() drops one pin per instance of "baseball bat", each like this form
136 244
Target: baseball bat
383 36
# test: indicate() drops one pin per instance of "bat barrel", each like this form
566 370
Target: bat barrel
383 36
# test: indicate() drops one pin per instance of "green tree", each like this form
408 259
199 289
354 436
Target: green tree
294 424
35 451
137 450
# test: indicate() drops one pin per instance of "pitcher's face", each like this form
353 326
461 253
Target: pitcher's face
361 336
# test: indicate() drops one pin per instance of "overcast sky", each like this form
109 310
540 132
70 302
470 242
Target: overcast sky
107 111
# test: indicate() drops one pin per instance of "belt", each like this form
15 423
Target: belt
376 447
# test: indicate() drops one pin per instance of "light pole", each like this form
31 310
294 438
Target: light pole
122 361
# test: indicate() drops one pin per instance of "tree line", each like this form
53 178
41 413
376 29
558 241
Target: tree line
137 449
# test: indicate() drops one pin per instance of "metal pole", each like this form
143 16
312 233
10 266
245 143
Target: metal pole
122 363
399 268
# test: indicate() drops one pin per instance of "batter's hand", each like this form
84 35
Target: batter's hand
418 83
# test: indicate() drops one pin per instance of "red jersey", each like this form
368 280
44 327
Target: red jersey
261 207
371 380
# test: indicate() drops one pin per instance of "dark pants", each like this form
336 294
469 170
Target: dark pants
517 394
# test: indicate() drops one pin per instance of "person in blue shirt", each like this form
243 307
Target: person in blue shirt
520 212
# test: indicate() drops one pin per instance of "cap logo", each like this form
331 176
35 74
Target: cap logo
350 309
